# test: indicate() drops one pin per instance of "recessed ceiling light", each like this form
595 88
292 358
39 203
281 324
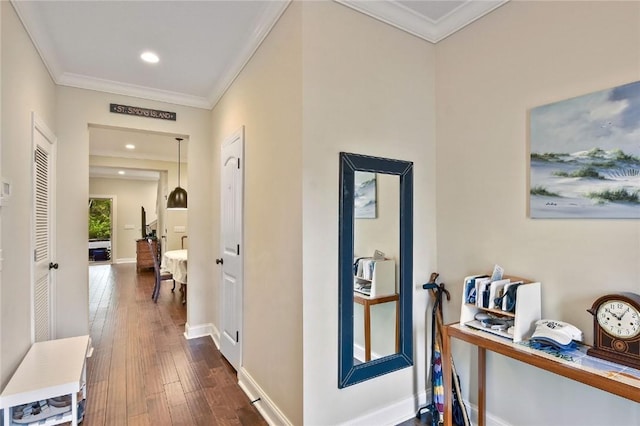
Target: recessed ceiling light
149 57
130 146
121 172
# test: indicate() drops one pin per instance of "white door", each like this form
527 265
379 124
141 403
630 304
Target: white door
232 248
43 235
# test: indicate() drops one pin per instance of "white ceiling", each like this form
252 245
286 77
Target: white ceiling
202 45
96 45
123 173
111 141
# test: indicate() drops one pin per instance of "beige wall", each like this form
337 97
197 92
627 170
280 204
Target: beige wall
328 79
26 88
129 195
369 89
489 76
266 98
76 110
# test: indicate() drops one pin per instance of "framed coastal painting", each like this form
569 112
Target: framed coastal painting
585 156
365 195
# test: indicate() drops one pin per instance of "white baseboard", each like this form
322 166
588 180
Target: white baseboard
392 414
265 406
406 409
490 420
192 332
125 260
358 353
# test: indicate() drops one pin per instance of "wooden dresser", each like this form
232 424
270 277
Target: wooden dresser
144 257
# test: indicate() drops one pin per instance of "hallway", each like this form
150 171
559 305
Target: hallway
143 371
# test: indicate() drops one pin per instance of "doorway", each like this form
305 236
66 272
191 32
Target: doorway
100 229
140 168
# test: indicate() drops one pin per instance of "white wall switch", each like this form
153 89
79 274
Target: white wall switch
179 229
129 227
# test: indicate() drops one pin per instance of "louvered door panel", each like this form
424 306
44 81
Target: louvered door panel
42 309
42 204
42 290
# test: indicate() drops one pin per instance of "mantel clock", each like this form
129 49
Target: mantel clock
616 328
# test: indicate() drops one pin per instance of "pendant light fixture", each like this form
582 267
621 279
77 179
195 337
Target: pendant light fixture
178 197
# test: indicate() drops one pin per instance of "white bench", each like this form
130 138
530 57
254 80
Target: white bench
50 369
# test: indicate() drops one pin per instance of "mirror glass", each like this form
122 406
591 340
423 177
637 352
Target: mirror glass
376 227
375 261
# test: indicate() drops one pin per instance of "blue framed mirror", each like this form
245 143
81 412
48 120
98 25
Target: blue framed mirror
375 258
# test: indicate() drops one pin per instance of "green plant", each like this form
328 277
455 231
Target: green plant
617 195
584 172
596 153
547 156
541 190
100 219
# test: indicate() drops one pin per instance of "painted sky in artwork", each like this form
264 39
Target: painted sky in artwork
608 119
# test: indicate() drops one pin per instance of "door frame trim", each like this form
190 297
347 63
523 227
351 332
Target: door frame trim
114 224
39 125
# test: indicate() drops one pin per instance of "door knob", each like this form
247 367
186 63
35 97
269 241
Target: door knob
219 261
53 265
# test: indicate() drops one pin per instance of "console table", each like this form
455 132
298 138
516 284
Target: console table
366 302
52 368
577 365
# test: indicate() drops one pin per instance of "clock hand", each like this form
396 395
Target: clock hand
623 314
610 313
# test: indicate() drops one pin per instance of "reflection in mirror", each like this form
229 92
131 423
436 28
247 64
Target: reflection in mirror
375 263
376 227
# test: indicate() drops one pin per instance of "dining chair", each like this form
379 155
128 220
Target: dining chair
160 274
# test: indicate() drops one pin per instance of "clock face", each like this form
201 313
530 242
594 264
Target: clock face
619 319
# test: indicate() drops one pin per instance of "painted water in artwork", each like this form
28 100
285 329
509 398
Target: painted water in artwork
585 156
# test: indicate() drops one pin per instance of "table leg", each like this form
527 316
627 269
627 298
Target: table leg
367 332
397 326
446 373
482 379
74 408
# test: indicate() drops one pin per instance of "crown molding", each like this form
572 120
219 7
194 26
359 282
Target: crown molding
33 26
388 11
267 21
405 19
31 23
109 86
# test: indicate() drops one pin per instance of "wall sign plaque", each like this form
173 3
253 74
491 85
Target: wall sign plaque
142 112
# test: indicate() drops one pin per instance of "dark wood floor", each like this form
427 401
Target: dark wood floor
143 371
411 422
